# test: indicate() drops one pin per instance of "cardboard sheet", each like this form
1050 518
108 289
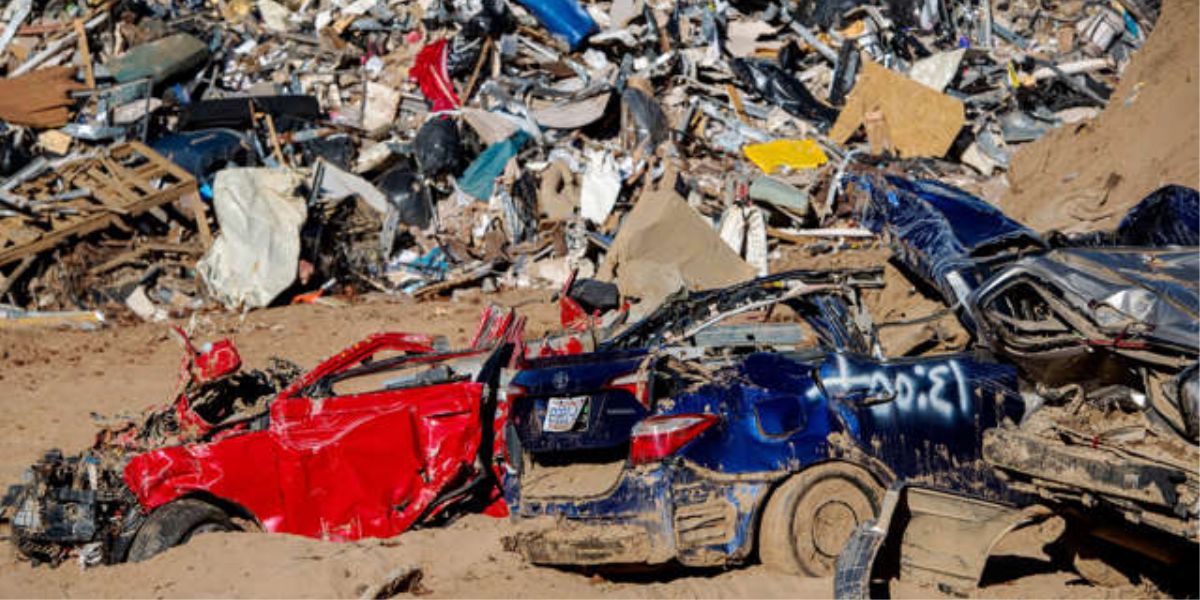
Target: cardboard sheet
664 245
900 114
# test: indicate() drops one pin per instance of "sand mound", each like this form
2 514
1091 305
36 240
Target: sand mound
1086 176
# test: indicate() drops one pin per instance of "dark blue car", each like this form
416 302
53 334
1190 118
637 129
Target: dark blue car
727 451
591 401
1102 329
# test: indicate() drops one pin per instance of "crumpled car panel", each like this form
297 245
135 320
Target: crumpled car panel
937 230
367 465
1133 294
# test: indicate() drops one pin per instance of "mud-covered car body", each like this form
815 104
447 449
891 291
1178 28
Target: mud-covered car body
392 432
597 397
1076 310
721 432
1106 328
1103 329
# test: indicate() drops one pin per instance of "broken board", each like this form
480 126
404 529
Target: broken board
93 193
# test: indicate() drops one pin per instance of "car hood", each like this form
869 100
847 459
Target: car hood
938 231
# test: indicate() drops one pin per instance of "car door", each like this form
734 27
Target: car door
366 451
923 418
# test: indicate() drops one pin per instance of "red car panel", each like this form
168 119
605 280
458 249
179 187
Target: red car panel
339 467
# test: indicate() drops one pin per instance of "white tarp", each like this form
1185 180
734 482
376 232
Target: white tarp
600 188
256 255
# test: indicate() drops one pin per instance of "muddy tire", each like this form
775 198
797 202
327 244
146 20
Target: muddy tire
175 523
809 518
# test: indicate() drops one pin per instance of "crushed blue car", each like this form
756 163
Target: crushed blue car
1091 319
591 401
727 452
1092 308
1102 329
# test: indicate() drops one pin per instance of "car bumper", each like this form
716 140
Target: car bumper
654 514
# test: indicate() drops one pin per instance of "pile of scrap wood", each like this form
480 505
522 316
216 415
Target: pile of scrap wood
101 199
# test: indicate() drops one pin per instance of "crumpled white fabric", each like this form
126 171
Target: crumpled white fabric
600 188
256 256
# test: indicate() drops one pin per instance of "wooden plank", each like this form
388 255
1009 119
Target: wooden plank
147 171
120 173
156 158
738 107
111 199
42 28
16 274
274 137
49 241
483 55
111 185
199 211
108 194
86 54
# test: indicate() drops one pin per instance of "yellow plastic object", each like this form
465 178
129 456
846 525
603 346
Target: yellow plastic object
854 29
795 154
1014 80
235 11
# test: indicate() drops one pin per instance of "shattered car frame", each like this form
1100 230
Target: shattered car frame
1062 314
1104 336
393 432
733 449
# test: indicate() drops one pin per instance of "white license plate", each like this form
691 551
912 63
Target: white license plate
562 413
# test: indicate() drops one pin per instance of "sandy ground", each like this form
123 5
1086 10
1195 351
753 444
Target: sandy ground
1086 176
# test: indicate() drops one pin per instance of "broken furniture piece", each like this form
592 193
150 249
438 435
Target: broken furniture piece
55 203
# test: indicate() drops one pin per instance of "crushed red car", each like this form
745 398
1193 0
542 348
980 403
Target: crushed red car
393 432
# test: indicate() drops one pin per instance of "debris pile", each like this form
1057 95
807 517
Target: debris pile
166 157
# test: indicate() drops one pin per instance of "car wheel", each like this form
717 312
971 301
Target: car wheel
809 518
175 523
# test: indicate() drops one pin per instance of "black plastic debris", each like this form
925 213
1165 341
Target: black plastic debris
338 149
844 74
287 112
593 295
438 147
493 20
783 90
407 195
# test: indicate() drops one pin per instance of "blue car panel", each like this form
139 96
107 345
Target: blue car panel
938 231
1169 216
661 512
781 413
916 418
609 413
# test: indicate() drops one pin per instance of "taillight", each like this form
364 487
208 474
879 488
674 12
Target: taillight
513 391
658 437
636 383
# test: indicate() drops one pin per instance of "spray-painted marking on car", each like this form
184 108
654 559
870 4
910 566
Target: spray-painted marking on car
921 388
